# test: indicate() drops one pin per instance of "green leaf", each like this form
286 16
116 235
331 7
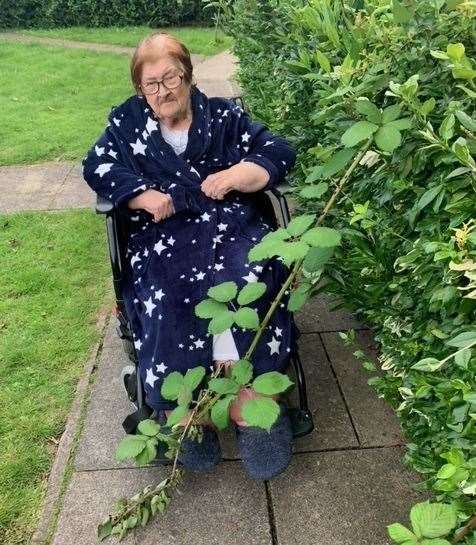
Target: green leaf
247 318
428 106
292 251
209 308
223 386
391 113
367 108
439 54
298 225
446 129
462 358
316 258
221 322
337 162
323 237
323 61
467 90
144 516
427 364
176 415
185 396
399 533
148 427
427 197
266 248
463 339
271 383
129 447
455 51
437 541
172 385
466 121
105 529
432 519
147 455
401 14
388 138
314 191
362 130
446 471
220 412
242 372
262 412
251 292
401 124
194 376
299 297
224 292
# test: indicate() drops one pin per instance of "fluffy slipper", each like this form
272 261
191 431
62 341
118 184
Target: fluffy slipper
266 454
194 456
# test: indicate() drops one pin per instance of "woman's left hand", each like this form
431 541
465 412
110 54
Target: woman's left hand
246 177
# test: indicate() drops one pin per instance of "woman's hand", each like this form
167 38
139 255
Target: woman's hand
155 202
246 177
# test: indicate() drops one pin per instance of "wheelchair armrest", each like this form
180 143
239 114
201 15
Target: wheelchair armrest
281 189
277 197
103 205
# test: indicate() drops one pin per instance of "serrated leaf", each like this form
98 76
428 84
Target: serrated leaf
177 415
316 258
314 191
250 292
265 248
388 138
298 225
337 162
224 292
242 372
185 396
148 427
322 237
223 386
391 113
463 339
437 541
104 529
367 108
358 132
401 124
172 385
220 413
401 14
147 455
129 447
298 297
247 318
221 322
194 376
209 308
292 251
432 520
271 383
399 533
262 412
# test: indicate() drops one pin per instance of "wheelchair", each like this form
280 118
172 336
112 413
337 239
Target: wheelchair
275 208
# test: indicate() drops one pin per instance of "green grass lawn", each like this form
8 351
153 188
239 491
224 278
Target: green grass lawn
55 280
55 101
198 40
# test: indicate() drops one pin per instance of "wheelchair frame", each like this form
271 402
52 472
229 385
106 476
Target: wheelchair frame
275 204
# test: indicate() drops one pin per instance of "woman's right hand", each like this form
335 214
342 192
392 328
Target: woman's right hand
155 202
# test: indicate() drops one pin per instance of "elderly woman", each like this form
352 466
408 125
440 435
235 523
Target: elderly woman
186 167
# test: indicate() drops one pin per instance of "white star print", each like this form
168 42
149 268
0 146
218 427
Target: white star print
138 147
99 151
245 137
205 216
200 275
161 368
178 173
170 241
193 170
199 343
151 125
222 226
278 332
180 345
103 168
268 143
258 268
149 305
250 277
219 267
151 378
159 247
112 153
187 300
216 240
117 122
138 344
159 294
135 258
274 346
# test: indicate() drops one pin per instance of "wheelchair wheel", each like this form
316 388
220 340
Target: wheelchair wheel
129 382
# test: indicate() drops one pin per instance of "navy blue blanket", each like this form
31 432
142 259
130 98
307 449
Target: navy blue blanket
172 263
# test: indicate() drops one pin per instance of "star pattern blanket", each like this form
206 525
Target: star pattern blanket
172 263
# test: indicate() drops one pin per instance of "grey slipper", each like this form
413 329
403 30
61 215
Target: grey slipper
266 454
194 456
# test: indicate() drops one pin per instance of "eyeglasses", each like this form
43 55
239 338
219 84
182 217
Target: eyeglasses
170 82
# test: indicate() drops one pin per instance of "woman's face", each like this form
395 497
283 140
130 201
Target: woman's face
166 103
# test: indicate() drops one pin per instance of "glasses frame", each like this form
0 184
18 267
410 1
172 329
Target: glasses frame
180 75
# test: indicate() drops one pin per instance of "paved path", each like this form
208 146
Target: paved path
345 484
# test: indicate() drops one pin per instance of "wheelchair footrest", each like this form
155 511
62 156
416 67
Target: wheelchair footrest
301 421
132 421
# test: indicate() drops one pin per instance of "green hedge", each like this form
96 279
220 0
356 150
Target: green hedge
101 13
396 78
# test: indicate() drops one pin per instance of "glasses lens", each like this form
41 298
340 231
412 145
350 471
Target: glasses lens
150 88
172 81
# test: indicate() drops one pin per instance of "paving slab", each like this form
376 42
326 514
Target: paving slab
374 420
221 507
342 498
317 316
74 192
